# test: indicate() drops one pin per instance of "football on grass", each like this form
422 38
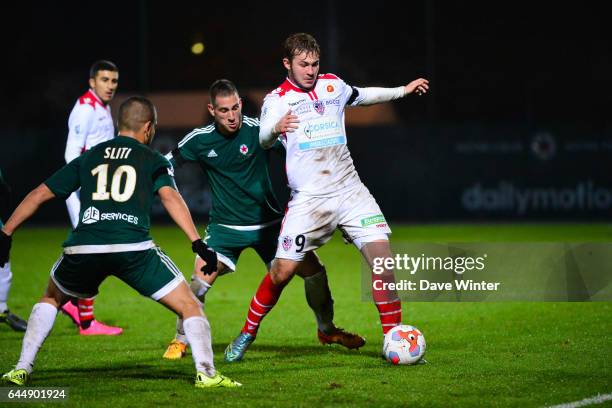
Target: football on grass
404 345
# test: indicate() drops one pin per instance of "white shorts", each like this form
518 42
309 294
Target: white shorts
311 221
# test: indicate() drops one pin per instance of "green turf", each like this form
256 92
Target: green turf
481 354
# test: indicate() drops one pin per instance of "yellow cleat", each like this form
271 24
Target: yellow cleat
19 377
175 351
203 381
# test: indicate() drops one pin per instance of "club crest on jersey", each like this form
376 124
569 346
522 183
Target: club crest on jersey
287 241
319 107
330 88
244 149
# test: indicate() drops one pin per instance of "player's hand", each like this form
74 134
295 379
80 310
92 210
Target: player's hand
207 254
420 86
5 248
288 123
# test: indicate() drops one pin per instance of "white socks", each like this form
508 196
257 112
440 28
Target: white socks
197 330
5 285
40 324
199 288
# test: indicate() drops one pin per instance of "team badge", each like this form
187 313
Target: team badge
330 88
244 149
319 107
287 241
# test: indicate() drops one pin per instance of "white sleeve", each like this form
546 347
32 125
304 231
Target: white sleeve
373 95
270 115
78 129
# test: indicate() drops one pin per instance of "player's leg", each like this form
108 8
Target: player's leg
227 243
308 224
15 322
363 223
153 274
387 301
319 298
64 274
199 286
267 295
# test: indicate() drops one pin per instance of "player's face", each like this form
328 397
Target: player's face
303 69
227 111
105 84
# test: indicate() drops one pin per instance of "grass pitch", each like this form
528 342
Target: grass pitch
480 354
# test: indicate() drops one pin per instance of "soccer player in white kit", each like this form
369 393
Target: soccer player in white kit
90 123
307 113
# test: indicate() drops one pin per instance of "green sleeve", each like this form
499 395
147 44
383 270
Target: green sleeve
278 146
186 151
163 174
66 180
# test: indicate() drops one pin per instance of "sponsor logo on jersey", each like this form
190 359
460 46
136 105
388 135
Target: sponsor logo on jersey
319 107
330 88
375 219
287 241
296 102
212 153
91 215
307 107
321 133
335 102
244 149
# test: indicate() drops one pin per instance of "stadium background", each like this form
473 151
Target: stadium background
516 126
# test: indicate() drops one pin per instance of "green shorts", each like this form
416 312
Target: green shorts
151 272
229 242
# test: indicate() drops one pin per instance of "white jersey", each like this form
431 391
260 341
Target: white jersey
318 160
90 123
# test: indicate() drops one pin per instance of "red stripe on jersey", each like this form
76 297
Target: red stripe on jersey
315 95
90 98
328 76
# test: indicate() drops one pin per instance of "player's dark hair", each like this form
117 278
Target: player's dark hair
223 87
102 65
134 112
298 43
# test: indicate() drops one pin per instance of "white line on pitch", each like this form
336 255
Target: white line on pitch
598 399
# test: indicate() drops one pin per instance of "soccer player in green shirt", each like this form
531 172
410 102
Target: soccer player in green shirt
14 321
245 213
118 180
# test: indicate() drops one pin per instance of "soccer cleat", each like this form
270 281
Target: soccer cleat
342 337
236 349
72 312
203 381
15 322
176 350
100 329
19 377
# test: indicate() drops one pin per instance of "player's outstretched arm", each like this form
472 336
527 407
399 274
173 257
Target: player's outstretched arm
269 134
28 207
175 205
374 95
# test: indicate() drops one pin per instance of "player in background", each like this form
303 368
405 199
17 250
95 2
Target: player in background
90 123
118 180
245 212
307 112
15 322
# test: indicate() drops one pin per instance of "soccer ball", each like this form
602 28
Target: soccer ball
404 345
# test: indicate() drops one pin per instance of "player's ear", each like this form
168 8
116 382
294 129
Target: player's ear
287 63
211 110
92 82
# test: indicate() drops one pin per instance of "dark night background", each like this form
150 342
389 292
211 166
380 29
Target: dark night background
502 75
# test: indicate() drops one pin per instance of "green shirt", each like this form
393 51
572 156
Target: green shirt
237 170
118 180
